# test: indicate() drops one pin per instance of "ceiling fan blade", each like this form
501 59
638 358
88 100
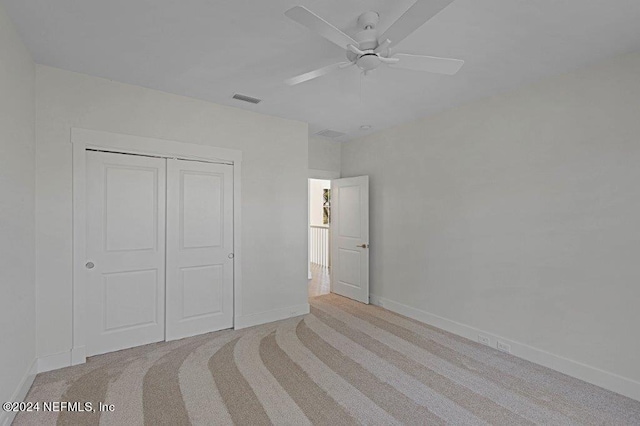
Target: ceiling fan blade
428 63
316 73
412 19
307 18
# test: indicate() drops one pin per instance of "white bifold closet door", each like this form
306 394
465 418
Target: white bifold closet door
125 251
146 286
199 248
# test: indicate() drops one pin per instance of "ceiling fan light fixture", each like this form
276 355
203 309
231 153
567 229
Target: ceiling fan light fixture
368 62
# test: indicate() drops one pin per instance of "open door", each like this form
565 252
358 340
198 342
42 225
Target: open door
350 238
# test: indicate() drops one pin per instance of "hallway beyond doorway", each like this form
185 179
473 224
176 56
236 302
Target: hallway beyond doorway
319 283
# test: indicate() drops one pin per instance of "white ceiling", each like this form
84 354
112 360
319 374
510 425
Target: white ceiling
210 49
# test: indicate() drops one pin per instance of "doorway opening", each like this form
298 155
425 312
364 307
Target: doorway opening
319 237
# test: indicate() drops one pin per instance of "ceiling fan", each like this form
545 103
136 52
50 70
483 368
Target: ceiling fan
368 49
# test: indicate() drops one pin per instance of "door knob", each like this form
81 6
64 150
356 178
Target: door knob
231 255
363 246
89 265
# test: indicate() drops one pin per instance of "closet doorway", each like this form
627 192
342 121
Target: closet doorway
160 256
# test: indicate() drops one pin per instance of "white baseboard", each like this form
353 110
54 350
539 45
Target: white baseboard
20 393
596 376
78 355
54 361
270 316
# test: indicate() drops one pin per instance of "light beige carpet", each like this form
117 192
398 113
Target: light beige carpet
343 364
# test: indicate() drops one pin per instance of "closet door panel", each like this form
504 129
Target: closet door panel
125 251
199 248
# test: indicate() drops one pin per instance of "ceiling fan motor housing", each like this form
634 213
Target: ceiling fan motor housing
367 40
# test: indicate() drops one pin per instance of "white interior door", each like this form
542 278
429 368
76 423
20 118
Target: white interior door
199 248
350 238
125 251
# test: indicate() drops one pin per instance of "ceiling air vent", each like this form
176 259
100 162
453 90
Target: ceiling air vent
245 98
330 134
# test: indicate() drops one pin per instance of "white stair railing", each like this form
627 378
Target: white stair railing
319 245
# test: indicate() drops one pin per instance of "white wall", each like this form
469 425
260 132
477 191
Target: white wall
17 223
519 215
316 203
274 186
324 154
